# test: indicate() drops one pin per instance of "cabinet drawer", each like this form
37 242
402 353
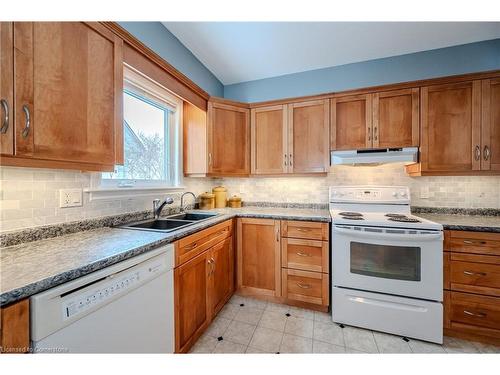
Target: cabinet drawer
310 287
474 242
189 247
306 255
304 229
475 310
475 273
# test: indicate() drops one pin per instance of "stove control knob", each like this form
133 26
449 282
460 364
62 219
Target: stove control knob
395 194
403 194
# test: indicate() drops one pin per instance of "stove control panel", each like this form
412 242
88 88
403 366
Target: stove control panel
370 194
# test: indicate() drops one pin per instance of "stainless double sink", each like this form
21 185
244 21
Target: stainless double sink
170 223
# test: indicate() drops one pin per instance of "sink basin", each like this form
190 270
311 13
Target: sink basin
170 223
161 224
192 216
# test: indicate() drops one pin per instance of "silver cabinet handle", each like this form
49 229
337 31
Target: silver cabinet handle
486 152
209 158
285 159
479 315
27 126
477 152
369 133
304 286
290 159
470 273
375 134
301 254
5 122
469 242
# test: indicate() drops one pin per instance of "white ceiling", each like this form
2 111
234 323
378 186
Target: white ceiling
245 51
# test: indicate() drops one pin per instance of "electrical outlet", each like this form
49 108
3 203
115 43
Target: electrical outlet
70 198
424 192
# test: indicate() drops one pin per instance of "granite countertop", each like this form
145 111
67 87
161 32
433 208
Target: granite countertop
31 267
476 223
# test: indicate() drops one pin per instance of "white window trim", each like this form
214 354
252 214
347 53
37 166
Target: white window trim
103 189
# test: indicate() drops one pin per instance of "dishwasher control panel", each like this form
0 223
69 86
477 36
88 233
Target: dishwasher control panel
108 288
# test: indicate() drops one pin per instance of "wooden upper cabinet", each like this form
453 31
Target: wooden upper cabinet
450 121
258 257
6 89
351 122
490 125
269 148
68 85
228 140
194 140
308 146
396 118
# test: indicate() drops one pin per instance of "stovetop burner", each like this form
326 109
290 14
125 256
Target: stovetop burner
348 213
405 219
395 215
353 217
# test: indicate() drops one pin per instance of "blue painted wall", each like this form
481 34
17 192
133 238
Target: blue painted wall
165 44
467 58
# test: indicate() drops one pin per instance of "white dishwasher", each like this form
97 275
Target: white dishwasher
125 308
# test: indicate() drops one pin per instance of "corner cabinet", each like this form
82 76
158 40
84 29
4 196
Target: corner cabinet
228 140
67 103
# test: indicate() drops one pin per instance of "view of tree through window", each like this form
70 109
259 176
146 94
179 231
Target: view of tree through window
145 128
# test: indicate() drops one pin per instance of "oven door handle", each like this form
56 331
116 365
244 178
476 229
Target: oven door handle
388 236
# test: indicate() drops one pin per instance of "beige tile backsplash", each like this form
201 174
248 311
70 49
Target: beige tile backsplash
30 197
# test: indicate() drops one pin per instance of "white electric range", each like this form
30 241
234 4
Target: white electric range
387 265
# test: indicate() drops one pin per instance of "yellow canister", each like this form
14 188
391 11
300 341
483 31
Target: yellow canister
234 202
207 201
220 196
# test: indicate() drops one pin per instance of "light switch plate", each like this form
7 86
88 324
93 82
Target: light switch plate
70 198
424 192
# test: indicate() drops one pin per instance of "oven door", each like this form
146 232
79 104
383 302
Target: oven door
395 261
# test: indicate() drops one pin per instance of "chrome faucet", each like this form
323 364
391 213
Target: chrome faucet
182 199
157 206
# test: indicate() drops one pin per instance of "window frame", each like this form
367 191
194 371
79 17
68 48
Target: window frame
143 87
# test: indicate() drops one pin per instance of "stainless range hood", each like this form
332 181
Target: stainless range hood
375 156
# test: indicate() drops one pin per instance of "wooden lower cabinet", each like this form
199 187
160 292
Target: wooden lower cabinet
203 283
305 286
259 257
472 275
15 327
221 275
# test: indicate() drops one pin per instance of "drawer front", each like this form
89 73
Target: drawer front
189 247
474 242
473 275
475 310
304 286
306 255
304 229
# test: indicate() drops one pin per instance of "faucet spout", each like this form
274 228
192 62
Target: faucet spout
182 198
158 207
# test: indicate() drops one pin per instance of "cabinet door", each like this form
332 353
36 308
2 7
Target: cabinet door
228 140
15 327
395 118
258 257
6 89
68 84
351 122
451 127
490 125
195 140
192 308
222 274
269 153
308 125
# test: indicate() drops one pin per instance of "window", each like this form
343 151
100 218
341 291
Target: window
151 128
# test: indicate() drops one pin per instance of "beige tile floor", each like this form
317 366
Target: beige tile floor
250 326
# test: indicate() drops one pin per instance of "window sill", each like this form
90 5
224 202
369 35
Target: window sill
106 193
